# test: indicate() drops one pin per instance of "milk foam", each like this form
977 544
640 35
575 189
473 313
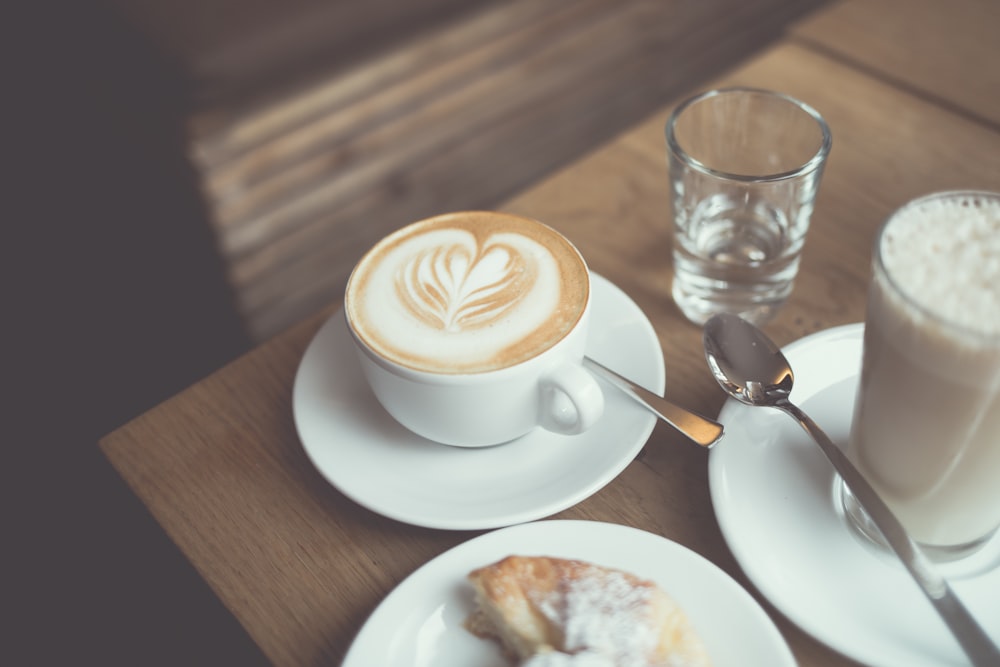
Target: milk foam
467 293
944 254
453 285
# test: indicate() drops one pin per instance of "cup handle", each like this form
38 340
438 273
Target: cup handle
572 401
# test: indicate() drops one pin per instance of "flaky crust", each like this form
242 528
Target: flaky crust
538 605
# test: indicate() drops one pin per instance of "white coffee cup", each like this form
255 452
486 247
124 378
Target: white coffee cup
471 328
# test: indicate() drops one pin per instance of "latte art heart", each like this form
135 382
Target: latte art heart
456 288
467 292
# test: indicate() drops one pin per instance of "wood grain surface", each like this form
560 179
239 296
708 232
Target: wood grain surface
300 182
945 50
301 566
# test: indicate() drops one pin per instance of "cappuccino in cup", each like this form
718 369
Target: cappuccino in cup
471 327
926 429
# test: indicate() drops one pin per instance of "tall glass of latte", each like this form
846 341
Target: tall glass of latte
926 428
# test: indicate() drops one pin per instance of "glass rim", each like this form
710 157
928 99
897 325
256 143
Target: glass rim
878 262
812 164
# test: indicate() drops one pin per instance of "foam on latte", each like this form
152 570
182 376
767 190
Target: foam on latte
944 254
467 292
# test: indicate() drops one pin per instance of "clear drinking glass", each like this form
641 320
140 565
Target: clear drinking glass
745 166
926 426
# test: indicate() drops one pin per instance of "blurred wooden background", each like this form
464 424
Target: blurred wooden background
193 176
324 125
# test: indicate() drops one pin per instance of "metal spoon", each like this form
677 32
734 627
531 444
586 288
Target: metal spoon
702 431
752 369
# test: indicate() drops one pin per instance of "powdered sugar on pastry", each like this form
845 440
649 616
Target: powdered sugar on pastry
552 612
604 611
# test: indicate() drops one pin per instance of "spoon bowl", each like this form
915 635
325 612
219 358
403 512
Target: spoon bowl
747 364
753 370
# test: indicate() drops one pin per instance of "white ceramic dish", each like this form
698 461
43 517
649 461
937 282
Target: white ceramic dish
373 460
777 500
420 623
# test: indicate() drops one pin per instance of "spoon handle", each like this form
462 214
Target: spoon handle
702 431
970 635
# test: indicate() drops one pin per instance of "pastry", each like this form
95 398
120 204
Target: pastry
553 612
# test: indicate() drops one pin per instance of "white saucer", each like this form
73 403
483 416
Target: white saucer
420 622
777 500
373 460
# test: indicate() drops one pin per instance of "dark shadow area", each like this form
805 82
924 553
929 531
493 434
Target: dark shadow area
119 301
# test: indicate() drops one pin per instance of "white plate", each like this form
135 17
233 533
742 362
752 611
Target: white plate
777 500
420 622
376 462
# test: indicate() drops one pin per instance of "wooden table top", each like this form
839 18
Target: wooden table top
944 51
220 465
